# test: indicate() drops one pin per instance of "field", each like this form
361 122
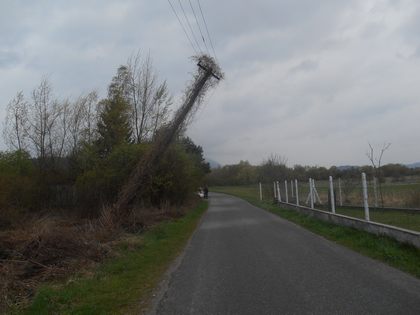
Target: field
399 218
395 194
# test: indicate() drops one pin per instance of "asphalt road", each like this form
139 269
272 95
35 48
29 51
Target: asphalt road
244 260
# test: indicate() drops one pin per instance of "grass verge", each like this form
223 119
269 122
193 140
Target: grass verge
402 219
402 256
123 284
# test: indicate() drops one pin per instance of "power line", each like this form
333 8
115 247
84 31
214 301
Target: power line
207 30
183 28
189 24
199 27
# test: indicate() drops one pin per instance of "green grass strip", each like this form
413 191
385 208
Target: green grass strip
120 284
402 256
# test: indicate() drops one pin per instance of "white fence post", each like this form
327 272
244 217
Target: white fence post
339 192
275 190
311 193
285 192
315 192
296 192
278 191
261 197
291 188
375 191
332 195
365 197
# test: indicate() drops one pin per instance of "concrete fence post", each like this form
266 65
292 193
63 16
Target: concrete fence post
275 190
375 191
278 191
339 193
296 192
261 196
332 194
365 197
291 188
285 192
311 193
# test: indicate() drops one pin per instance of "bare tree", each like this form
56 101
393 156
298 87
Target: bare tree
48 123
91 115
273 168
376 161
149 100
162 102
16 123
60 130
82 121
40 117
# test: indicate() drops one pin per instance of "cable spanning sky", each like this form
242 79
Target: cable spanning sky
311 81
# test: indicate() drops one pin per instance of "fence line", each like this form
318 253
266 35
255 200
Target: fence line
348 193
400 234
314 201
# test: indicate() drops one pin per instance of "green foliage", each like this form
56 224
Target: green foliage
242 173
274 168
177 175
17 179
102 178
196 153
113 125
16 163
88 180
91 153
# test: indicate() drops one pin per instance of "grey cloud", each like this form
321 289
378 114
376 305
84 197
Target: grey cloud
301 76
304 66
8 58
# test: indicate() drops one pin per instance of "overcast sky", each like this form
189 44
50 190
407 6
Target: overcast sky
312 81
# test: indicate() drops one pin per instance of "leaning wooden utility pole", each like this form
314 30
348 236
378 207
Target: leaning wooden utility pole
208 74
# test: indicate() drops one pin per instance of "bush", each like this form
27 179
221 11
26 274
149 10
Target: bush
17 180
178 174
101 181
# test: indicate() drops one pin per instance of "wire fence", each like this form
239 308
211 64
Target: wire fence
389 203
348 192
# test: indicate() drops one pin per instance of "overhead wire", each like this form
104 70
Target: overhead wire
183 28
189 25
207 30
199 27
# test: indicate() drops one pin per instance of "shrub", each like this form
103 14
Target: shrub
17 180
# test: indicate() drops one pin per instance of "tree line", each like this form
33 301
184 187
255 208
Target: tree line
275 168
77 153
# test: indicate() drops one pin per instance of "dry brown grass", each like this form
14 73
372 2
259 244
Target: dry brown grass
50 248
41 250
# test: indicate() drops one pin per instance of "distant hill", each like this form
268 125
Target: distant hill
413 165
213 163
346 167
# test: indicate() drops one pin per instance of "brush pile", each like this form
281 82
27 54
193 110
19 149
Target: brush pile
43 250
53 248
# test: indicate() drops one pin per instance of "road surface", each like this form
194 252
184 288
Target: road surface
244 260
